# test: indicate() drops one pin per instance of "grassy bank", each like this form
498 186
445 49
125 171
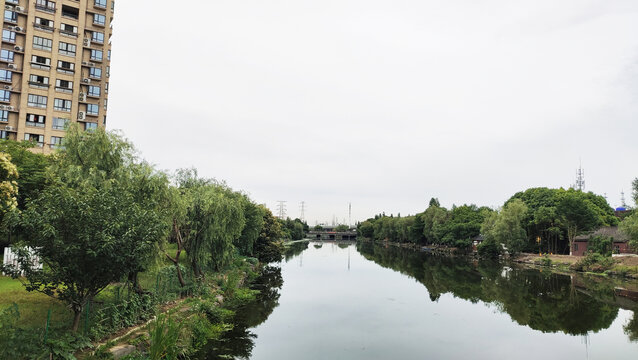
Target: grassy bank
34 325
621 266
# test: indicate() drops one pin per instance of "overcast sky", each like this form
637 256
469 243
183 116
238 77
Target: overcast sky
381 103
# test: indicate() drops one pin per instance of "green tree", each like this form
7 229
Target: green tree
366 229
254 222
505 228
341 228
269 247
630 227
93 225
577 215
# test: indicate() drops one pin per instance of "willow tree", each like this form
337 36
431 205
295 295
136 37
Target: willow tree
213 219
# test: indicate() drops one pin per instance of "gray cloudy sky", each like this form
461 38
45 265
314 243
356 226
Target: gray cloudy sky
382 103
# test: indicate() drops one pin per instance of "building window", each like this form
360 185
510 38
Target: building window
62 105
40 62
5 95
99 19
96 55
10 16
44 24
66 67
100 3
108 55
14 2
105 104
37 101
70 12
6 75
36 120
95 73
108 71
45 5
4 134
60 123
94 91
7 55
38 139
92 109
106 88
66 49
8 36
42 43
56 142
90 126
38 81
97 37
69 29
4 116
64 85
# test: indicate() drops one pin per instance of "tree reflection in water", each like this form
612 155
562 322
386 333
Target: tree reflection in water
239 342
543 301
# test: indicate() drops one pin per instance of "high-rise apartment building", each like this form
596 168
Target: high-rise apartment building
54 67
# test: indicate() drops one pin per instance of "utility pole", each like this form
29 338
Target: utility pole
281 209
303 208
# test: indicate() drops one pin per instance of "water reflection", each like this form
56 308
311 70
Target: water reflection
543 301
240 341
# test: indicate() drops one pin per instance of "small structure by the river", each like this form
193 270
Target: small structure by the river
620 241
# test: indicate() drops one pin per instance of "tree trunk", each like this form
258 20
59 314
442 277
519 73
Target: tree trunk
77 315
132 277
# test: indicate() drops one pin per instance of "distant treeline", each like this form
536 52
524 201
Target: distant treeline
537 219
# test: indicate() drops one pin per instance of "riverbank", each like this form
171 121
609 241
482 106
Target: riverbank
620 266
617 266
184 325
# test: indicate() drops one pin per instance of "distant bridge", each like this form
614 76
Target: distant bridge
332 235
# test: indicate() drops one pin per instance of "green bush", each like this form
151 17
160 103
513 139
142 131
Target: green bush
601 245
489 249
593 262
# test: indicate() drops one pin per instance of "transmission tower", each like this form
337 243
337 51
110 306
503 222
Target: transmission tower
303 209
349 215
281 209
580 179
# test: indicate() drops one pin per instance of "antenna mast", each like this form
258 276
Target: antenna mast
580 179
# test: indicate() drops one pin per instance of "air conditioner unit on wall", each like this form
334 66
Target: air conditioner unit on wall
20 9
86 42
86 80
82 97
9 128
87 63
12 66
8 87
8 7
18 48
81 116
6 107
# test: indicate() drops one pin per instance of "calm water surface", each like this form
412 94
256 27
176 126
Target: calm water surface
365 301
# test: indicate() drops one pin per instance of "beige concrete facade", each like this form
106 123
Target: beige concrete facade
54 67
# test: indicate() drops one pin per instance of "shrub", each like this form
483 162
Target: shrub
593 262
489 249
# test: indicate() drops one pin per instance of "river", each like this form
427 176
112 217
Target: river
364 301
